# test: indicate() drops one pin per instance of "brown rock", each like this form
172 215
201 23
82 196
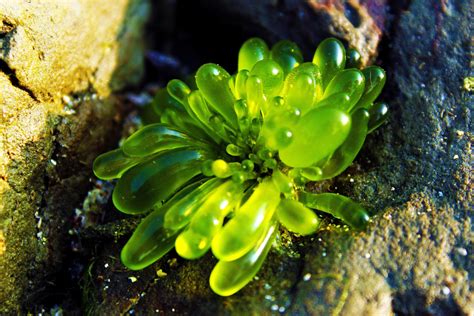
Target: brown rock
59 62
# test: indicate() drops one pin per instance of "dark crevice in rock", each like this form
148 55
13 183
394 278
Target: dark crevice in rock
5 68
5 28
293 291
58 287
351 14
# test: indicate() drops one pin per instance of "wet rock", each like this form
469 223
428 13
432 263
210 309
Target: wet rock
416 174
59 63
175 285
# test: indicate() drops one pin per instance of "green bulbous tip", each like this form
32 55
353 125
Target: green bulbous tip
113 164
287 54
154 180
241 84
330 57
178 90
316 135
282 182
241 108
375 80
378 114
338 206
271 74
248 165
243 231
155 138
149 242
228 277
252 51
212 79
346 153
353 59
191 245
181 208
221 169
349 81
301 92
234 150
255 96
297 218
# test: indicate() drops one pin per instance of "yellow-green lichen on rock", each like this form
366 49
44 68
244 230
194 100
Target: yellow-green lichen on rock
50 50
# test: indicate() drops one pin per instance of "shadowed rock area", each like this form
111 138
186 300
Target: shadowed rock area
414 173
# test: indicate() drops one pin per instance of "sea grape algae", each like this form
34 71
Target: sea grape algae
227 163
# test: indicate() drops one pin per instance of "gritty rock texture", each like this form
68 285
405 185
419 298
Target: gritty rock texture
37 33
414 174
59 63
416 257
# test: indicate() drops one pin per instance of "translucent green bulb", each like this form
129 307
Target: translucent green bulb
353 59
241 233
375 80
251 52
302 92
330 57
241 84
271 74
199 107
228 277
349 81
211 80
150 241
113 164
378 114
287 54
345 154
316 135
221 169
283 182
178 90
196 240
155 138
338 206
153 181
182 207
297 217
255 97
340 100
313 72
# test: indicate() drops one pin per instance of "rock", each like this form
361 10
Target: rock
57 49
59 63
181 286
416 172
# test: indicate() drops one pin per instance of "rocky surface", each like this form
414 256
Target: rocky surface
416 258
59 63
414 174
